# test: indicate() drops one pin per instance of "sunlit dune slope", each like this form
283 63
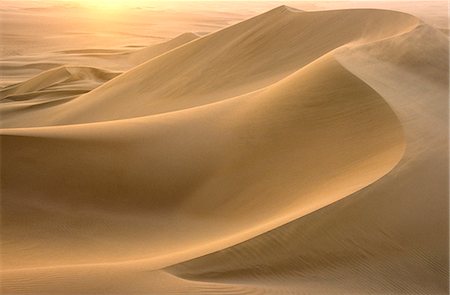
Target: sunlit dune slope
230 62
145 54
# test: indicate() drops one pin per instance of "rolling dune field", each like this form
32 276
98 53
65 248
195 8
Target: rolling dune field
257 149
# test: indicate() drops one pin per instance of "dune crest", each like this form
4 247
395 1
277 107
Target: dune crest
236 60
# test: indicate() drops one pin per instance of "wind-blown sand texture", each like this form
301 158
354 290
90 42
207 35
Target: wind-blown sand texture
294 152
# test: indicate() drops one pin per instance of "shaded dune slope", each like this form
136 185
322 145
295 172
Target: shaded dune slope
255 131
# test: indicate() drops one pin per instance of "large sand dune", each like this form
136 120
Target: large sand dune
292 153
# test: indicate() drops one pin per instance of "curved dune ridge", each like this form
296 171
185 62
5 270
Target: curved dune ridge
236 60
222 164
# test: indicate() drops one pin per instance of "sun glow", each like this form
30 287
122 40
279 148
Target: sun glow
113 4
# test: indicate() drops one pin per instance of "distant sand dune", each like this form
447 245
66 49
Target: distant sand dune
292 153
103 59
55 78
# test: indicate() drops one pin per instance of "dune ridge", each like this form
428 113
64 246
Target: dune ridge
312 151
236 60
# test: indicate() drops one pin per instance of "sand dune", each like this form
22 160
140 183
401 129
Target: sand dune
236 60
292 153
117 60
375 237
145 54
317 114
61 84
58 78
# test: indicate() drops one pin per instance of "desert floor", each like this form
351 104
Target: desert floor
224 148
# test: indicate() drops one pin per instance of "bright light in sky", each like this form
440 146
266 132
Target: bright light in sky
113 4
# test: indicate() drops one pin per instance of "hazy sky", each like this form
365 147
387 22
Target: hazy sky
125 3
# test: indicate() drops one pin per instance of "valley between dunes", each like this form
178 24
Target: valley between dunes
296 152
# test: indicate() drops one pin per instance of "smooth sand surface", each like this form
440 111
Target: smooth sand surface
295 152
